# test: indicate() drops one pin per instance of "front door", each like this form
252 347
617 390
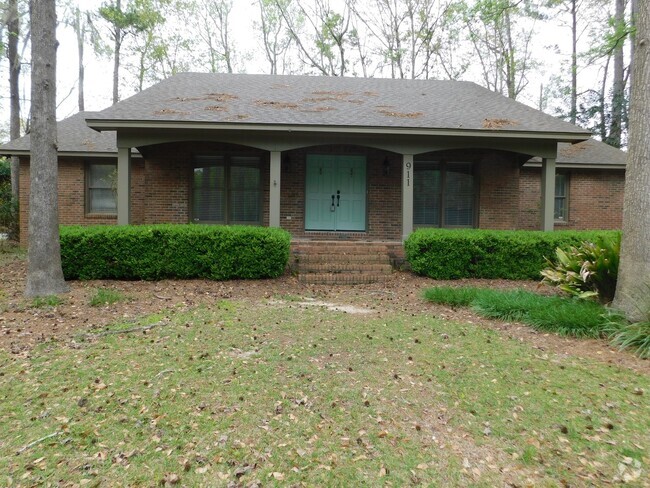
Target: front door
335 193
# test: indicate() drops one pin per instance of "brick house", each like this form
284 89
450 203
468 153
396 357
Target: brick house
329 158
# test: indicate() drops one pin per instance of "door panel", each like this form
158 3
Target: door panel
335 193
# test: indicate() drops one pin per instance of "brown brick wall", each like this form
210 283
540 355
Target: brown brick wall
508 197
498 176
72 202
384 204
595 199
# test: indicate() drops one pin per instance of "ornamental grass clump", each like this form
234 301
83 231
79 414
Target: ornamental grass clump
586 271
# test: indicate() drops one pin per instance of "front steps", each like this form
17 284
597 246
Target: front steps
341 263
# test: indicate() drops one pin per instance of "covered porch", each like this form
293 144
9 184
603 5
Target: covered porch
304 173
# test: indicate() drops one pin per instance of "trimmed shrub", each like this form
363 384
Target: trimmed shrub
447 254
155 252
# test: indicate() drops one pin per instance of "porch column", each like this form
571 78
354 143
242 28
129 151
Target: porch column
123 185
548 193
274 190
407 195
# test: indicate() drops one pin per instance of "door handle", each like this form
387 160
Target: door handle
338 198
332 208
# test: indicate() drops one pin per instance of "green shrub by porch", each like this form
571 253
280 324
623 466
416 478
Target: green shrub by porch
445 254
154 252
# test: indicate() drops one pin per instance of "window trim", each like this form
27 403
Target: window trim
443 165
567 180
227 161
88 211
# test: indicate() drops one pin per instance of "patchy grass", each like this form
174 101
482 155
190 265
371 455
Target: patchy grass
47 301
245 391
106 296
565 316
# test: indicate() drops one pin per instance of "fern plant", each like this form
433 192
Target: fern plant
587 271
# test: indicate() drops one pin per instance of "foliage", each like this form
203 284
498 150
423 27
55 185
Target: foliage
155 252
550 313
588 270
106 296
472 253
47 301
634 335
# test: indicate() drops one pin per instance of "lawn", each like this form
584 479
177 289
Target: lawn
276 392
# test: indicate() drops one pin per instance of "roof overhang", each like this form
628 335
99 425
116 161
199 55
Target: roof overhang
577 166
116 125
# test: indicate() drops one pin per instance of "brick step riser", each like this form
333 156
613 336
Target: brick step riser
344 268
314 279
341 259
339 249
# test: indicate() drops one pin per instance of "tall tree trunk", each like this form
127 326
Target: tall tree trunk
618 90
633 287
116 58
44 273
13 31
79 28
574 61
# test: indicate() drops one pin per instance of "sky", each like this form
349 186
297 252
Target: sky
98 86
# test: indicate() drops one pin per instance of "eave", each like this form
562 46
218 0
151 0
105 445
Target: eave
114 125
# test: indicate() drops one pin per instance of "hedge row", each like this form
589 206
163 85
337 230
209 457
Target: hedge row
518 255
156 252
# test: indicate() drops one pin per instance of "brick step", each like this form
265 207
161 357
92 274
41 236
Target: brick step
341 279
340 258
347 249
350 268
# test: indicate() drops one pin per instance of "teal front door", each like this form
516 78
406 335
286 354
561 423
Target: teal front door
335 193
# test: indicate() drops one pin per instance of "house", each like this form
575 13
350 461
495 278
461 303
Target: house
330 158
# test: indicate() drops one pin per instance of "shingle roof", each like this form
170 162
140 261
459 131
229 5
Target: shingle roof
590 153
214 98
73 136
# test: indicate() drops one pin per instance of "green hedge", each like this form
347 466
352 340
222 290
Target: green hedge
156 252
517 255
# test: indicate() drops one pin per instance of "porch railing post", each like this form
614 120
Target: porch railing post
274 190
123 185
548 194
407 195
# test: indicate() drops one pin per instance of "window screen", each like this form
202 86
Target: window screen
101 192
561 200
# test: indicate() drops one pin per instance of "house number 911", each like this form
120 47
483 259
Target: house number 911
408 174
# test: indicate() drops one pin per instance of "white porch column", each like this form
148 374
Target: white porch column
548 193
407 195
123 185
274 190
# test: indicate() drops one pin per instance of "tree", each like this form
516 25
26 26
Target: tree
618 88
632 290
215 31
275 40
501 34
85 32
44 272
324 46
13 34
138 16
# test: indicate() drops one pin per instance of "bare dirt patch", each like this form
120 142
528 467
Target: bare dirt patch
23 325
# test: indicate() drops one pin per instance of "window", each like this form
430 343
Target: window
101 194
227 190
443 194
561 198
